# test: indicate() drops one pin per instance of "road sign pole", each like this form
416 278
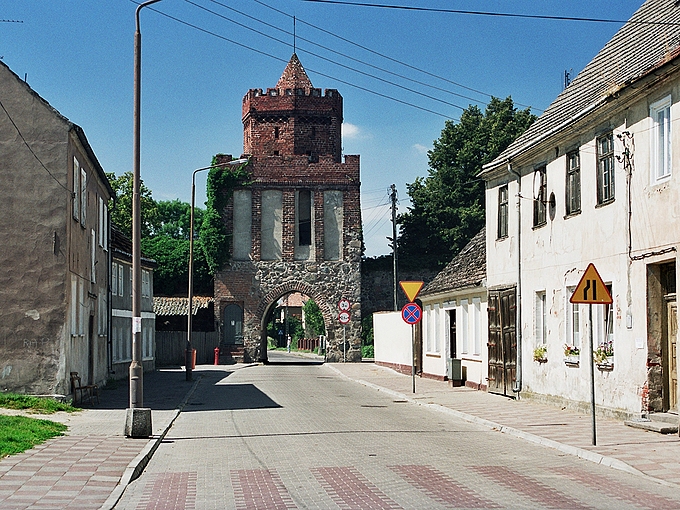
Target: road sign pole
344 345
413 357
592 370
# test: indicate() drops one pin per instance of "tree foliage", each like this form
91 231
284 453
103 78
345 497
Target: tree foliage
214 237
314 324
121 214
447 206
165 237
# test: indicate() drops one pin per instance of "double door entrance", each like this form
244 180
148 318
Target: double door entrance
502 343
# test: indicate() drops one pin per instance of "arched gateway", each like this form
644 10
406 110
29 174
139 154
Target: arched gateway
297 224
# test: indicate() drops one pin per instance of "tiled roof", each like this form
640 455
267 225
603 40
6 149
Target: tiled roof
467 269
164 306
648 40
122 248
294 76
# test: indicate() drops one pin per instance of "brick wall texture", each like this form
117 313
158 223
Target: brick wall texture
292 135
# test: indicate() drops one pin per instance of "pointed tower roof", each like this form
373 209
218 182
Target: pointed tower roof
294 76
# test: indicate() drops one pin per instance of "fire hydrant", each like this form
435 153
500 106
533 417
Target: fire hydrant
217 355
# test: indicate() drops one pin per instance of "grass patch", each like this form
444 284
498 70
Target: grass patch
39 405
18 433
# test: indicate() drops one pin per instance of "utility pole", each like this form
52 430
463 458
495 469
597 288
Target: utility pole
393 198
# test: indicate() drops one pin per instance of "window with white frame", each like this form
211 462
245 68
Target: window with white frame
605 169
93 256
574 321
660 112
477 325
429 344
464 327
435 326
102 314
114 279
101 224
83 196
146 283
74 305
603 329
76 189
540 200
502 212
121 279
573 184
541 332
147 342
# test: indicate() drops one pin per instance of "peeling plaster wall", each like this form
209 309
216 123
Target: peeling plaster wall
555 255
43 247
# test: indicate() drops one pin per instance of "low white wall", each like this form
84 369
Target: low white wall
391 339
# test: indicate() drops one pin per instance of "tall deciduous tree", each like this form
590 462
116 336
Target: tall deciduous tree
121 214
447 206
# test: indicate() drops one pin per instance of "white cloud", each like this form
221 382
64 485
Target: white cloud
350 131
420 149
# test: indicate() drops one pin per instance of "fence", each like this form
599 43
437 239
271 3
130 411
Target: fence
170 347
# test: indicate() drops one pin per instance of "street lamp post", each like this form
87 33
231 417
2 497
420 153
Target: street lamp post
188 353
138 419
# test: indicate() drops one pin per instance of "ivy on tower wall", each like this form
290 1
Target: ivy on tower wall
215 239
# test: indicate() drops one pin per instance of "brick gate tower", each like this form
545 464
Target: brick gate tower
297 224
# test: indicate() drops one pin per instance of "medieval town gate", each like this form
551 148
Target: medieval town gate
296 226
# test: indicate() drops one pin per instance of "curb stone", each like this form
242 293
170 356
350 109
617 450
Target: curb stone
136 467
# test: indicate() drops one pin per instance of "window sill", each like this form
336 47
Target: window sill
540 225
572 214
432 355
605 203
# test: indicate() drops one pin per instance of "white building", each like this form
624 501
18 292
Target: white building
454 330
594 180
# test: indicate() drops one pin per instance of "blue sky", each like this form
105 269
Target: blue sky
196 68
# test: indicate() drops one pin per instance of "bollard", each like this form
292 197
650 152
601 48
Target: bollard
217 355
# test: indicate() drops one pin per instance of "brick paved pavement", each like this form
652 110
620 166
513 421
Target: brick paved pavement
226 461
303 437
653 454
85 467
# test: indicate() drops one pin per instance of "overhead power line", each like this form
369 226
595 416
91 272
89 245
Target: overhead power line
325 75
497 14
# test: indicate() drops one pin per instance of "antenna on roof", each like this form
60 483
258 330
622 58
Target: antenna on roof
567 77
294 35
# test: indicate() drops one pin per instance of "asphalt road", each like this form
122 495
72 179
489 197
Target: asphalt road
297 435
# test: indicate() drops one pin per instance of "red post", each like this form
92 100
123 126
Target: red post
217 355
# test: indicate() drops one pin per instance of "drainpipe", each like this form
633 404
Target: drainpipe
517 386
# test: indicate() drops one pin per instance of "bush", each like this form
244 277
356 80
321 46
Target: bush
367 351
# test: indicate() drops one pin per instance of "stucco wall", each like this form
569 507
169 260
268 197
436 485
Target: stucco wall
554 256
392 339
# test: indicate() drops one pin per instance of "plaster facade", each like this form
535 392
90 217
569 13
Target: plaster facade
54 256
600 188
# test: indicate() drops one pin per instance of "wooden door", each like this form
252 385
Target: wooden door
672 353
502 343
495 345
508 320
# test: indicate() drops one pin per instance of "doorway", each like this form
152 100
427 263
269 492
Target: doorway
502 343
233 325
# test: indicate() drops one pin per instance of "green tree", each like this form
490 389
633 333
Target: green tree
313 319
173 219
121 214
447 206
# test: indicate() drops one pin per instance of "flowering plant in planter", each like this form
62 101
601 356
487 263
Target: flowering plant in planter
540 353
570 350
604 352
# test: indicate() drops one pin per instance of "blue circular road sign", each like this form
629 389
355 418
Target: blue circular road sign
411 313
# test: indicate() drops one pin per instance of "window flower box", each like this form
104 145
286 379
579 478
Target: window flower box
572 355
